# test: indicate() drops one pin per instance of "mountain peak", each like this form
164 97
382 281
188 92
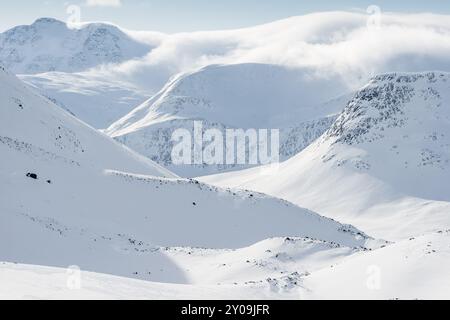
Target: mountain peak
50 45
47 21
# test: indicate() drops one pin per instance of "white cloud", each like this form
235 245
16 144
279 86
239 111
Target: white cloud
332 44
103 3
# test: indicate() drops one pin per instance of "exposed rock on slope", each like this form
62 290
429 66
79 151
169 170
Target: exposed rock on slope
242 96
384 165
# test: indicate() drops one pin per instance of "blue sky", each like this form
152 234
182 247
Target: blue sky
192 15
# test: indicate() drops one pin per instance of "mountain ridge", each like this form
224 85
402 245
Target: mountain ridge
382 166
239 96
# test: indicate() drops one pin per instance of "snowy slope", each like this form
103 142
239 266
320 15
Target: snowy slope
383 166
27 282
33 125
271 269
244 96
278 262
67 200
49 45
416 268
91 98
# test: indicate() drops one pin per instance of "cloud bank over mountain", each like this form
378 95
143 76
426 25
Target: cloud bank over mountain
354 46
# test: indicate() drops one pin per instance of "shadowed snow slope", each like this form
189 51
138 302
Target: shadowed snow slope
243 96
65 199
383 166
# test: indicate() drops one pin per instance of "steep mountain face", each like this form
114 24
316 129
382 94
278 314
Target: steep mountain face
70 195
403 119
384 165
49 45
243 96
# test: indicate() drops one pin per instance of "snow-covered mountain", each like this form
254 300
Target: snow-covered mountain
50 45
91 98
53 58
367 165
70 195
384 165
242 96
317 42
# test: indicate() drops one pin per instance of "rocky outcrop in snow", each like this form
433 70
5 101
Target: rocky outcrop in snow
405 114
